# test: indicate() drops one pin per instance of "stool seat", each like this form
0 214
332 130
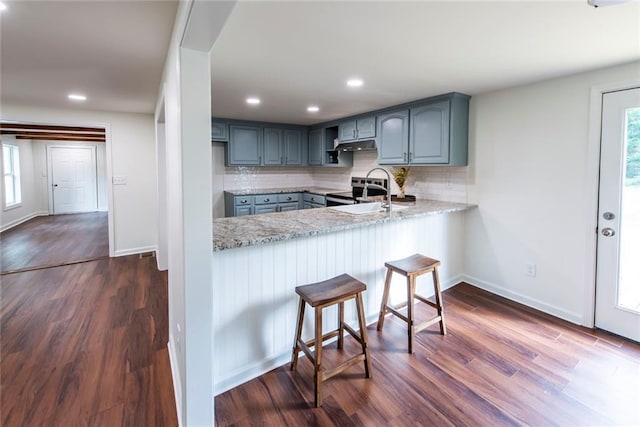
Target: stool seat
330 291
414 264
320 295
412 267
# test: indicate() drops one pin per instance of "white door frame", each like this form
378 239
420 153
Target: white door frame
593 181
94 157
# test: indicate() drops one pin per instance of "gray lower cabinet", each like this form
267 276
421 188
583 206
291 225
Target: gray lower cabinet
245 145
357 129
435 133
261 203
311 201
219 131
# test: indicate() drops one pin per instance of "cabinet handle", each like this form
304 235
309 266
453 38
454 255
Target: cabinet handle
409 156
288 198
266 200
243 201
405 157
353 133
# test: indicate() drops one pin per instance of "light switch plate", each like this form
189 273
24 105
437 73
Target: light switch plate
119 180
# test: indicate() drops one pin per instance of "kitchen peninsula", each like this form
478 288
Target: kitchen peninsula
258 260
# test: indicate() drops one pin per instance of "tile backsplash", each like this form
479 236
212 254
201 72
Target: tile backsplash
432 182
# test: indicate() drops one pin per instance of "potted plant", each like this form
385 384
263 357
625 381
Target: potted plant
401 177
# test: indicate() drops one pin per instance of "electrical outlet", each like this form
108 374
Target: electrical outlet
530 270
119 180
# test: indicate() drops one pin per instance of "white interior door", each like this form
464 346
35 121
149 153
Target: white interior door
73 179
618 262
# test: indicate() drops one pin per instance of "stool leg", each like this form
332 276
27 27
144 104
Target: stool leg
411 290
317 377
363 335
340 325
439 303
296 349
385 297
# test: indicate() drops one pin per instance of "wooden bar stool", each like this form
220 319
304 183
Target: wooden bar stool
412 267
324 294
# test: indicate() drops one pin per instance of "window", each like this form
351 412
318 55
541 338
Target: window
11 163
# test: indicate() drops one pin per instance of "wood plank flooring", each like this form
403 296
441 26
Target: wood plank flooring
500 364
85 345
54 240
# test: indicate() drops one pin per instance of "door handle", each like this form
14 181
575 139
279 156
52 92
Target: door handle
608 232
54 185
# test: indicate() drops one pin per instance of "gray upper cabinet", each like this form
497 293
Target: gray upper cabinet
293 147
357 129
245 145
316 147
273 147
429 134
432 133
393 134
219 131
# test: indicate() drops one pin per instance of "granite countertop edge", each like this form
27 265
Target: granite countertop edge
237 232
314 190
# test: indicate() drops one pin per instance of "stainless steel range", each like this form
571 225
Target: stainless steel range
357 187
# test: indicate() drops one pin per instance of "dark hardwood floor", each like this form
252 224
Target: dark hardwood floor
85 345
49 241
500 364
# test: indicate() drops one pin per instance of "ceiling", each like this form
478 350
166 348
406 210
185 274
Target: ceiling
111 51
294 54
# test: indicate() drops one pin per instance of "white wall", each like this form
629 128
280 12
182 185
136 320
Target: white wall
31 185
132 154
529 174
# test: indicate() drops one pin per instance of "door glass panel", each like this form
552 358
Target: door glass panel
629 280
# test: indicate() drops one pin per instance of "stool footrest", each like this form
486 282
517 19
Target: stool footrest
342 366
427 323
397 313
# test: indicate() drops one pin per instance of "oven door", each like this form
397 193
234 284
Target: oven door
338 201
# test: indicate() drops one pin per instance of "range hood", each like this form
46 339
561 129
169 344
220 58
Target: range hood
364 145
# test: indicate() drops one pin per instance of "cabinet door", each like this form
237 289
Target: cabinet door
219 131
366 127
393 138
429 134
245 145
265 209
292 147
243 210
347 130
316 147
285 207
273 147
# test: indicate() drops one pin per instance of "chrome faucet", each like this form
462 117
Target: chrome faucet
387 189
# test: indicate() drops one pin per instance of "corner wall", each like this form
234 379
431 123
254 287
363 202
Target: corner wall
529 174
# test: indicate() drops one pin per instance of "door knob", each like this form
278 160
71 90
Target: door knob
55 185
608 232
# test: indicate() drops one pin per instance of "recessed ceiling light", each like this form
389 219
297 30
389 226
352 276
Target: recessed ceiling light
76 97
3 6
253 101
354 82
313 109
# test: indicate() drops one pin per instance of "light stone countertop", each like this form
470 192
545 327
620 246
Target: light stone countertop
315 190
236 232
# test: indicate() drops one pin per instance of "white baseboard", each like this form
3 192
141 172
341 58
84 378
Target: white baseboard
134 251
553 310
19 221
175 376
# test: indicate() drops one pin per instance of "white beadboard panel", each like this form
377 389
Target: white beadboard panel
255 304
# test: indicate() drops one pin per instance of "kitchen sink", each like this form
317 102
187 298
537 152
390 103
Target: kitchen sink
366 208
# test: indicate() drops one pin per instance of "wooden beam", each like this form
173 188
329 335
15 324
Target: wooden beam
54 128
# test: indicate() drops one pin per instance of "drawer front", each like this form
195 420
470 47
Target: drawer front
243 210
265 199
263 209
288 198
285 207
244 200
314 198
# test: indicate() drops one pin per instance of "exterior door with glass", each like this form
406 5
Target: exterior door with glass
618 260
